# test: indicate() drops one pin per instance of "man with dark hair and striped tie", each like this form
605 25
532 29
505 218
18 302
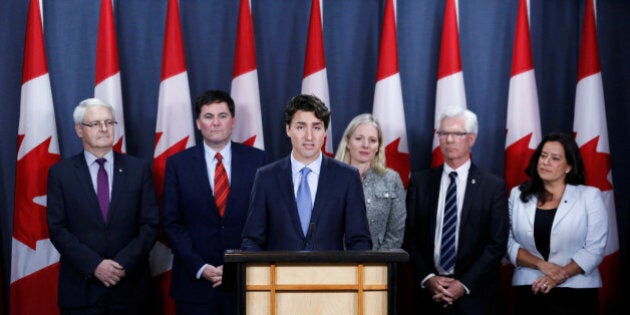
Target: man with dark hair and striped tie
457 226
206 196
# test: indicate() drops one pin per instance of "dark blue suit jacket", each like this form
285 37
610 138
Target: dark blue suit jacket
196 232
84 239
338 212
483 233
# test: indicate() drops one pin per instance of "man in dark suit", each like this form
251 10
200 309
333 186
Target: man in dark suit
307 201
203 213
103 219
457 226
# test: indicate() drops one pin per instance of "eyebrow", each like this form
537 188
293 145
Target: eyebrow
552 154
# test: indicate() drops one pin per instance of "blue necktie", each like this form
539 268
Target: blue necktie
303 199
449 226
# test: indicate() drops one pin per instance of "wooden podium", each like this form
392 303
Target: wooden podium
315 282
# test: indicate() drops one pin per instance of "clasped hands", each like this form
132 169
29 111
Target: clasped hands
109 272
445 290
213 274
553 276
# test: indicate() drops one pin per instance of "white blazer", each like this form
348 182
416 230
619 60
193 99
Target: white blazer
579 232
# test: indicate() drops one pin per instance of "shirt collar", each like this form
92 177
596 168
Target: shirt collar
226 152
91 158
461 171
297 166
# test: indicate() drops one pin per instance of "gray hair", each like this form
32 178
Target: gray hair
79 111
471 124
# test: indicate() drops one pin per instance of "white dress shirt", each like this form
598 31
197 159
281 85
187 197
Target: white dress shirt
93 166
211 161
313 176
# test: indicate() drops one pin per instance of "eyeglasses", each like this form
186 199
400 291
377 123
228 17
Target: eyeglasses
455 134
100 123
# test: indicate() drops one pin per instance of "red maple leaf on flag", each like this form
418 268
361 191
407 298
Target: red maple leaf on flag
329 154
398 161
596 165
118 146
159 162
29 224
517 157
250 142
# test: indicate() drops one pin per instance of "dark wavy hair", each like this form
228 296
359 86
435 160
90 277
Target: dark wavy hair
307 103
535 186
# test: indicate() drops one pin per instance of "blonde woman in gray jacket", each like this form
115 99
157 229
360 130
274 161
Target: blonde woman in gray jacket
362 147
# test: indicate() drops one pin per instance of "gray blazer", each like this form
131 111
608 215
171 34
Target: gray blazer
386 211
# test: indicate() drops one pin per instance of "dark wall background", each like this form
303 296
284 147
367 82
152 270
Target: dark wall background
351 36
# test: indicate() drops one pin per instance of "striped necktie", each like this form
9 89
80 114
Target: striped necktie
221 185
449 226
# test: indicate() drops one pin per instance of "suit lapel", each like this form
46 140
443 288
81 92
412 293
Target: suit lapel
121 173
323 189
435 176
566 203
203 182
472 190
285 180
530 210
235 178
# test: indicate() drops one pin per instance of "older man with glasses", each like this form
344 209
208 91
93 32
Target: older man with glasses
103 217
457 226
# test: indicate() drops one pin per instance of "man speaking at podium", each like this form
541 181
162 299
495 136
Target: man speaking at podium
306 201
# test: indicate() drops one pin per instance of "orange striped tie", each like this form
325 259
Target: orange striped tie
221 185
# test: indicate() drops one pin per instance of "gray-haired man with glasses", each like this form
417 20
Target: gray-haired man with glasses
457 226
102 217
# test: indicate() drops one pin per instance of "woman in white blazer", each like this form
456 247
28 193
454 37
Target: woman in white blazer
362 147
558 231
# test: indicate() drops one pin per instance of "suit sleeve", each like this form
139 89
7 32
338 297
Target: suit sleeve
496 246
79 255
412 242
513 244
148 219
254 237
591 255
174 225
357 234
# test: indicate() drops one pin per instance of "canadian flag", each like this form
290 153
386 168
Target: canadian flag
107 81
450 83
174 132
523 119
591 135
245 93
35 261
388 100
315 80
